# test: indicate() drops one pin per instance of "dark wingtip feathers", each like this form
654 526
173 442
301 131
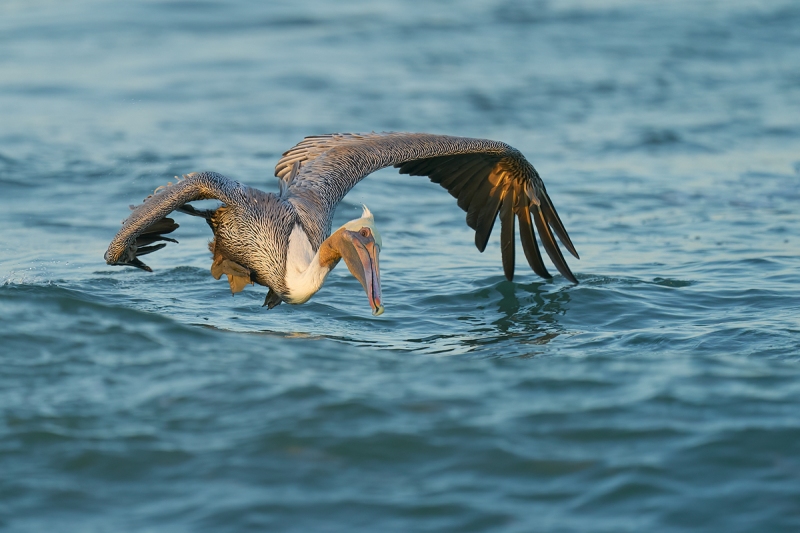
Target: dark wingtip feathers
143 244
554 221
507 244
551 247
486 220
138 264
144 250
529 245
469 178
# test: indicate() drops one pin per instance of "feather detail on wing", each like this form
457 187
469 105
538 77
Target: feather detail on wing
148 224
487 178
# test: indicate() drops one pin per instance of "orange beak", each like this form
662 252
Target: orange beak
361 257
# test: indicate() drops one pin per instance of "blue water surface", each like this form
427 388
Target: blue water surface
660 394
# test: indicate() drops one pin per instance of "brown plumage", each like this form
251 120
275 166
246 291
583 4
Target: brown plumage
489 179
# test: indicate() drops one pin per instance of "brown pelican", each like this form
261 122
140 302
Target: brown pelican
284 242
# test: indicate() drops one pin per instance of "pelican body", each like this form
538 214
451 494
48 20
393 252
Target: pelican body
284 241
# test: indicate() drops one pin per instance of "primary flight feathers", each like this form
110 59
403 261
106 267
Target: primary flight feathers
282 240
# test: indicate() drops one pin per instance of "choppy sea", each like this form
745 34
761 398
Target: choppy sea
662 393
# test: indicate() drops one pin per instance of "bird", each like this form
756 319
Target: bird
283 241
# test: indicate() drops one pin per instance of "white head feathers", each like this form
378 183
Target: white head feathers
366 220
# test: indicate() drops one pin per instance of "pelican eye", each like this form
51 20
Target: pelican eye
365 232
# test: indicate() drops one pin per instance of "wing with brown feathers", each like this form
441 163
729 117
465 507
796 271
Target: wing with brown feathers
490 186
148 224
488 178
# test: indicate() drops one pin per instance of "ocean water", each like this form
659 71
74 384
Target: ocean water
662 393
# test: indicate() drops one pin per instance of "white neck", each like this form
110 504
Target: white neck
304 273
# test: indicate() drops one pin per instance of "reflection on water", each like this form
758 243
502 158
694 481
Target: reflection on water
498 320
524 314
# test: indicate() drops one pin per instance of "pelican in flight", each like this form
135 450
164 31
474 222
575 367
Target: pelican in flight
284 242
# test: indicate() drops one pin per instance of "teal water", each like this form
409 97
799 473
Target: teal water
660 394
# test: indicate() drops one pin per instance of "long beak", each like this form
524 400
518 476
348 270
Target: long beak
361 258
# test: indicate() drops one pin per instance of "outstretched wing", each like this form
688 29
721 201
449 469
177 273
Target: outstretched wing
487 177
147 224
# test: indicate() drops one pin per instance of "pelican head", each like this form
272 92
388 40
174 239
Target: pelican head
359 244
360 251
